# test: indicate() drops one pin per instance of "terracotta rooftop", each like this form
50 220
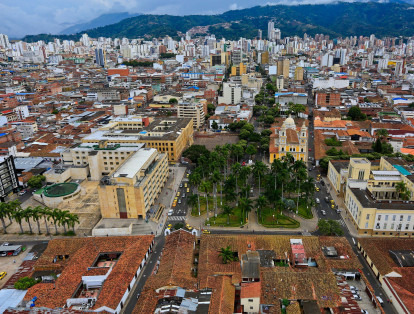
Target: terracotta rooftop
82 254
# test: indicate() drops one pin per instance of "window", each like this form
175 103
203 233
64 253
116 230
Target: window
393 217
386 217
408 218
361 174
392 226
401 217
367 216
379 217
385 226
407 226
366 225
250 300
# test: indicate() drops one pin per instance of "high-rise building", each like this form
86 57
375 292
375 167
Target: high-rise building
259 34
8 179
194 111
100 57
4 41
271 31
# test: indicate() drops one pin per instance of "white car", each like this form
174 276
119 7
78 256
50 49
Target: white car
317 201
323 212
170 212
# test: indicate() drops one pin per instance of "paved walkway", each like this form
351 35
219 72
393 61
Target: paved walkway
306 225
346 217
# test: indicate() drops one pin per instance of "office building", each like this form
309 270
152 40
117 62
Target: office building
232 94
192 110
133 188
373 196
8 177
168 135
100 57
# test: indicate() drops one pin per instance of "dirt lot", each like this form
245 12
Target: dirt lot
211 140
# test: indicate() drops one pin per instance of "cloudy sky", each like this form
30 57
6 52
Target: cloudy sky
23 17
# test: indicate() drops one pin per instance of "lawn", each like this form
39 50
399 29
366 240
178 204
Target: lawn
303 211
221 219
203 206
278 221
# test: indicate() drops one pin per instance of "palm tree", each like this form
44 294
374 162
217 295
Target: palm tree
215 178
402 190
205 185
261 202
236 169
227 255
55 215
4 212
45 212
244 174
382 133
72 219
27 215
64 217
14 205
36 215
195 180
245 206
18 215
259 170
227 210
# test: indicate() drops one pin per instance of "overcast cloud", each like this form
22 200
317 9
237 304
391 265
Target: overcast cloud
23 17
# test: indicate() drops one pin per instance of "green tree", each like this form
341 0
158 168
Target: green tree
173 101
227 210
19 215
251 150
195 180
261 202
4 213
36 182
214 125
259 170
332 142
296 108
245 206
194 152
45 212
403 191
377 146
382 133
210 109
27 214
205 185
36 215
355 114
72 220
227 255
25 283
329 227
55 215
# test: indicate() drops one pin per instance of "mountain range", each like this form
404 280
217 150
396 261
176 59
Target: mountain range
337 19
102 20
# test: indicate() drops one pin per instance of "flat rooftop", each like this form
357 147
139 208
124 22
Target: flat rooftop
366 200
134 163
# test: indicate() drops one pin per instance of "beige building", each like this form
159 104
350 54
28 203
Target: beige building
372 199
168 135
130 191
192 110
298 74
101 159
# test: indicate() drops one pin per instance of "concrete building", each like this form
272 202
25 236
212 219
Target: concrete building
8 177
168 135
130 191
192 110
299 74
232 94
372 197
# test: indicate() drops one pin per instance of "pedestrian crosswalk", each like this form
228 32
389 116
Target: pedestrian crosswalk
176 218
342 222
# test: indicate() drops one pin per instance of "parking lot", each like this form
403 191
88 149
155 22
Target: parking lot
10 264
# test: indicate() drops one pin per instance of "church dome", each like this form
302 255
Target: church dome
289 122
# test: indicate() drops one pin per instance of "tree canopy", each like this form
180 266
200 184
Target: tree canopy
194 152
330 227
36 182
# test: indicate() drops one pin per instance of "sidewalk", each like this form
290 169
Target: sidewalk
346 217
306 225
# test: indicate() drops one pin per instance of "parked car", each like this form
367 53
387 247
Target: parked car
181 185
353 288
357 297
380 300
323 212
170 212
3 274
22 192
317 201
205 231
179 201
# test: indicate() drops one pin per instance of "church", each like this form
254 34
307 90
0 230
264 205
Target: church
286 138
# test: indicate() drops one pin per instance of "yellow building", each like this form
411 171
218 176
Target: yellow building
289 139
264 57
168 135
238 70
372 199
299 74
130 191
